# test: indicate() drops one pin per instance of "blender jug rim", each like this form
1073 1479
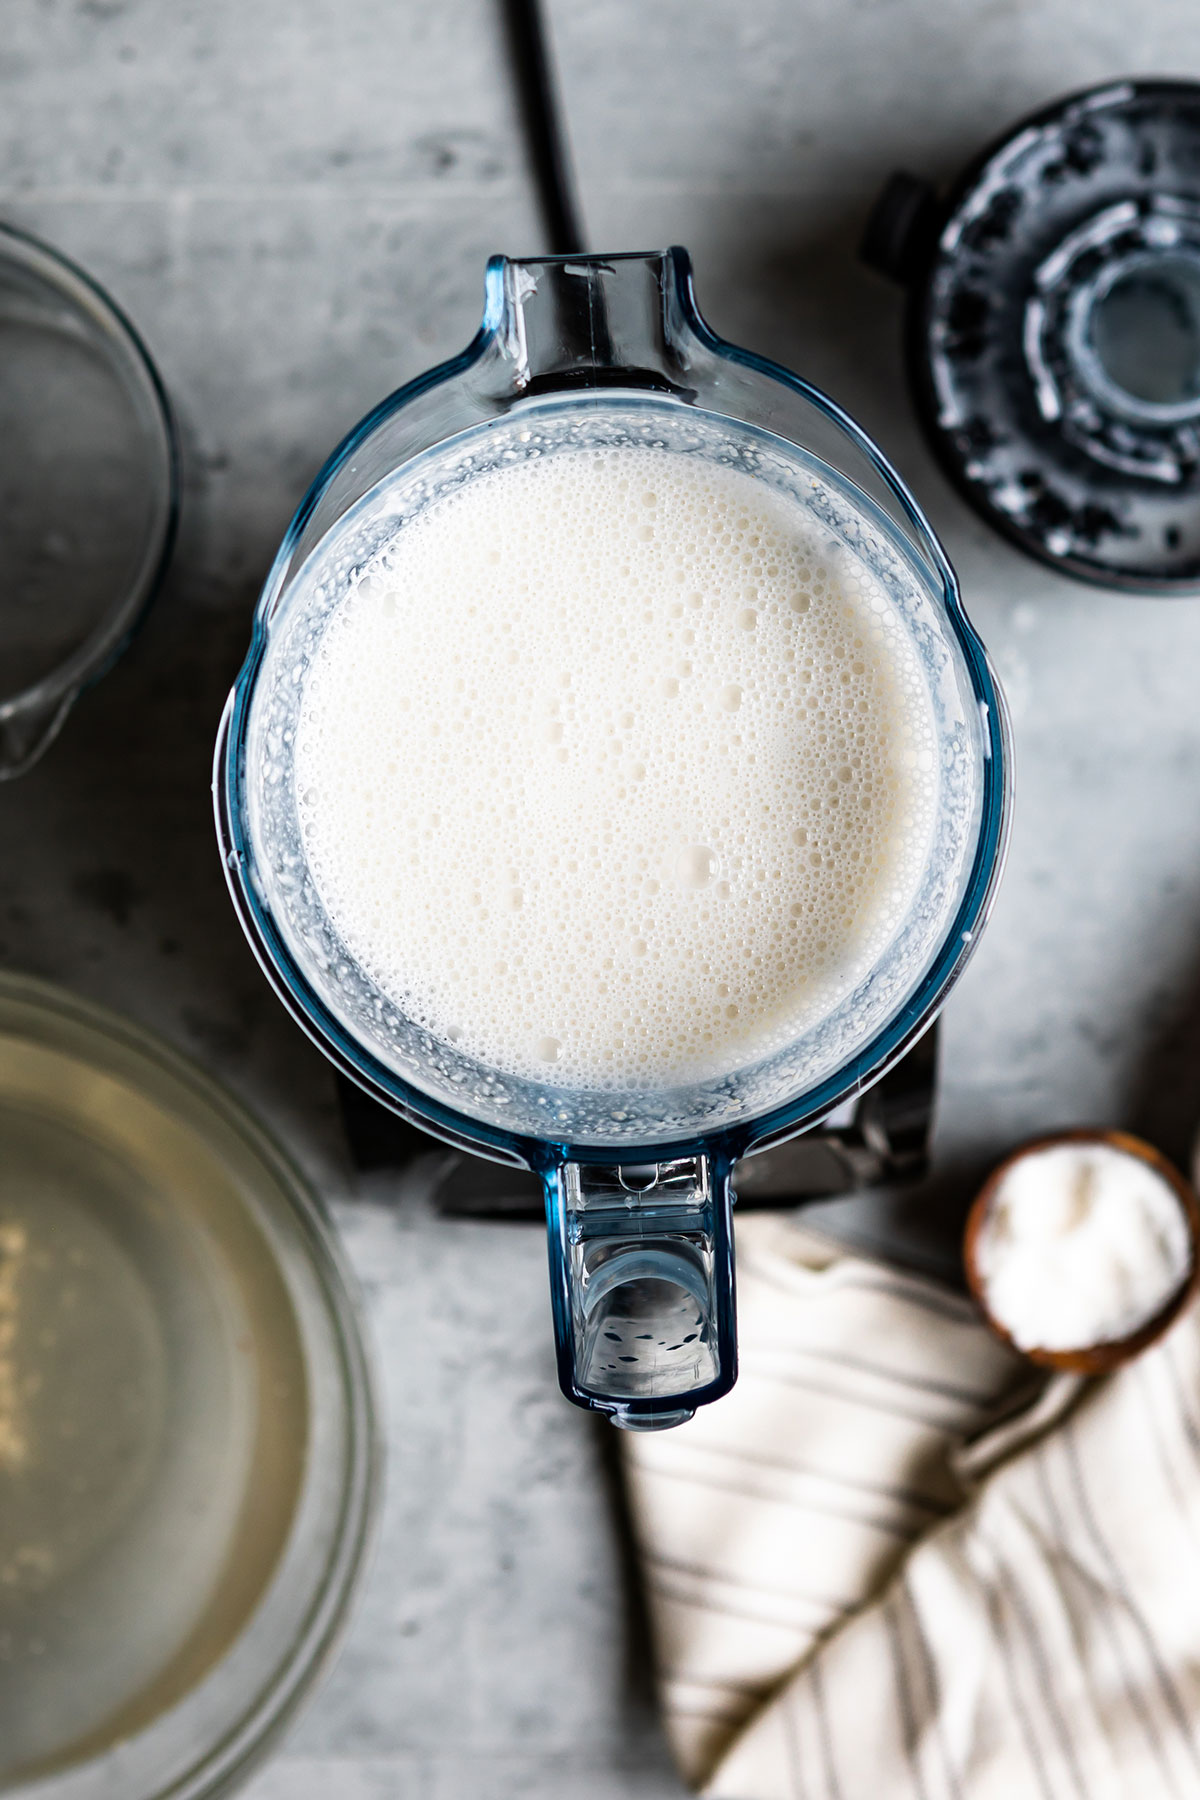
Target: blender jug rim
675 260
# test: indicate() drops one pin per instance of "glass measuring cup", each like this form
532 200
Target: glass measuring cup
637 1184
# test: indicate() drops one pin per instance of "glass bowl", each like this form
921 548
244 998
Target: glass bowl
188 1455
89 490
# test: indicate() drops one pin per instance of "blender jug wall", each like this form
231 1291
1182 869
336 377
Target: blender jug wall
574 351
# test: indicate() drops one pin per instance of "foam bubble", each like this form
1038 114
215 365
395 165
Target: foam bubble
615 760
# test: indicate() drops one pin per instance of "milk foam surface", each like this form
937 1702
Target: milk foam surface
615 768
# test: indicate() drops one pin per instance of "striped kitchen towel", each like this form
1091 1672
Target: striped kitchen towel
887 1568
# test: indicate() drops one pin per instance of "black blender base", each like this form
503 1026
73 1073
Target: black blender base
881 1138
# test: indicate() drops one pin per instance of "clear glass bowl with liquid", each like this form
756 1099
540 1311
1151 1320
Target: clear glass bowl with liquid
188 1457
89 490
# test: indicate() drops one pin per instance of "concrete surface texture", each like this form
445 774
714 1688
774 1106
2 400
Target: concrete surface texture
295 201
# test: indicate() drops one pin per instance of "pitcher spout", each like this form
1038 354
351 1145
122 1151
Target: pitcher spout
572 322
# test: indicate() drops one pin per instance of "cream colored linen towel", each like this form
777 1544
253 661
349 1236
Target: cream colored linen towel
850 1604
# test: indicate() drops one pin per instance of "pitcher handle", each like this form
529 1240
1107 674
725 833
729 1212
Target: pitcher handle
641 1280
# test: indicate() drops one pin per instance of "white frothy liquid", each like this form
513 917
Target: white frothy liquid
615 768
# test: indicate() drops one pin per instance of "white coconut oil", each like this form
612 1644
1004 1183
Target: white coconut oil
1082 1244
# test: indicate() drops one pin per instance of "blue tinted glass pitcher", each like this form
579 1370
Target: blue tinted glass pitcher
637 1184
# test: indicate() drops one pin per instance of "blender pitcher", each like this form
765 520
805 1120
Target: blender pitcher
637 1184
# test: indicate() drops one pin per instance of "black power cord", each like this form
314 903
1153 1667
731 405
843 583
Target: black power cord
544 133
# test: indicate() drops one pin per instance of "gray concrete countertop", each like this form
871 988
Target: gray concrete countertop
295 201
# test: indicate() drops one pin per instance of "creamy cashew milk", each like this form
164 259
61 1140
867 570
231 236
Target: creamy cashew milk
615 767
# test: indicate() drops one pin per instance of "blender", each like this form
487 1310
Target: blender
638 1185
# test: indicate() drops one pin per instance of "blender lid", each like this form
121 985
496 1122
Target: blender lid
1053 330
